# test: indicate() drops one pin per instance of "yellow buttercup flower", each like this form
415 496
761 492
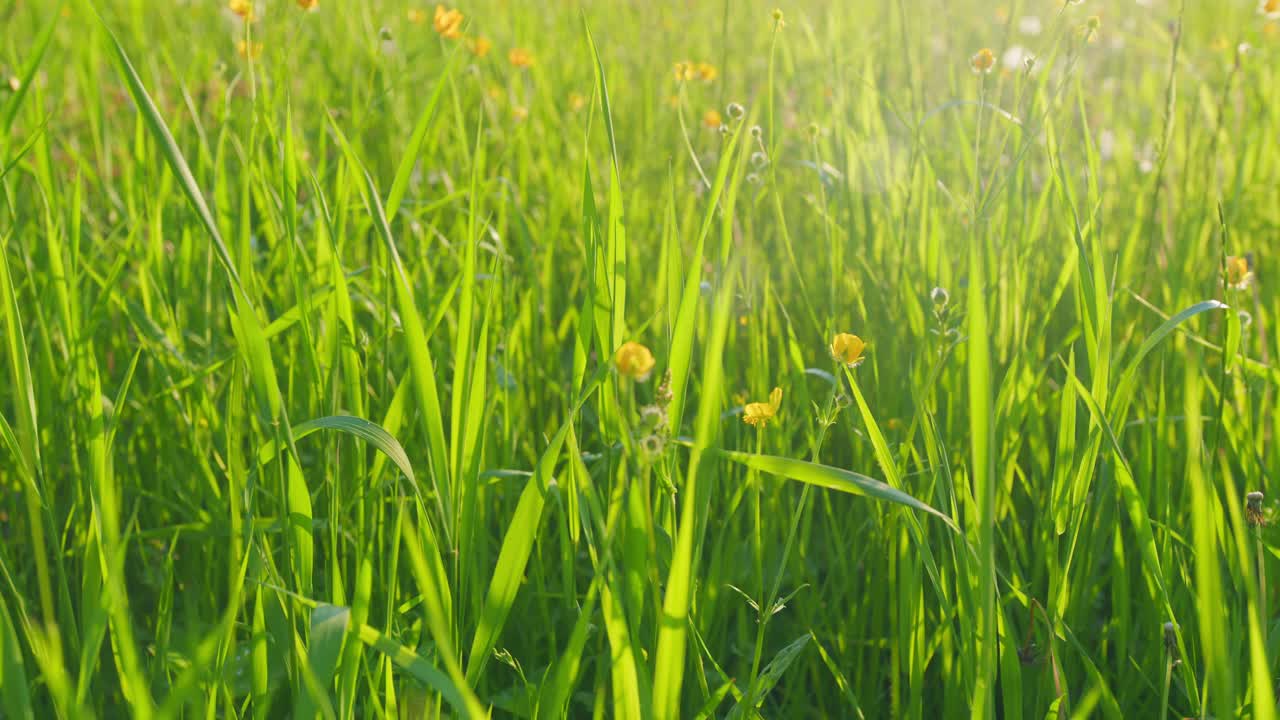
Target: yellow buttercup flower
634 360
520 57
417 16
758 413
685 71
247 50
243 8
848 349
520 113
308 4
1238 272
447 22
577 101
983 61
712 119
479 46
707 72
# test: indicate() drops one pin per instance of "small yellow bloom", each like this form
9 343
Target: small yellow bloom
712 119
707 72
1270 8
417 16
520 113
1238 273
308 4
759 413
778 18
685 70
243 8
577 101
848 349
447 22
479 46
247 50
520 57
894 424
983 61
634 360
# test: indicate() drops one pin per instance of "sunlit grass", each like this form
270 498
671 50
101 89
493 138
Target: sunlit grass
863 359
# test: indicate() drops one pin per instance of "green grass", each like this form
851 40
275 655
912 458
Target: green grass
309 404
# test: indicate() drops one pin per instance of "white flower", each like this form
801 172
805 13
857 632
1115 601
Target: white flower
1017 59
1146 158
1106 144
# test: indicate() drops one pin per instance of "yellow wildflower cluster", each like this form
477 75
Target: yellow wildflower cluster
248 50
704 71
845 348
447 23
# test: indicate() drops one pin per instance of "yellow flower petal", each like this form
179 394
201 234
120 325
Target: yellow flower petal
634 360
243 8
520 57
983 61
758 414
480 46
848 349
1238 272
447 22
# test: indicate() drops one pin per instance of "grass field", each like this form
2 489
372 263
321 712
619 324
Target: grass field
379 360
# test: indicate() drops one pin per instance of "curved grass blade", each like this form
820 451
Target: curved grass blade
769 678
669 660
38 51
428 571
832 478
328 630
370 432
245 322
404 172
1128 381
420 362
517 544
13 675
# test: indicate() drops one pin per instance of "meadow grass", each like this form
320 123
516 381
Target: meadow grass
866 359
